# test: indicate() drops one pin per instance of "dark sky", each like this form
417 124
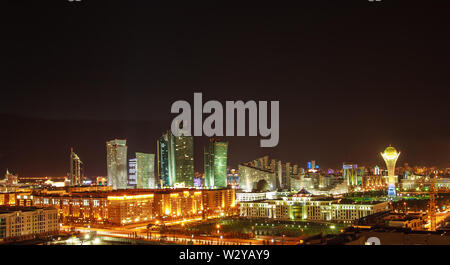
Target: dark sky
351 78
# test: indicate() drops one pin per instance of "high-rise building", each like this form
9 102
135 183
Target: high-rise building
312 166
350 173
10 179
215 164
163 161
184 161
376 170
132 172
176 160
390 156
116 161
145 165
76 172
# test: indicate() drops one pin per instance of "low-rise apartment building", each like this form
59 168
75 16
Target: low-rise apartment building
27 222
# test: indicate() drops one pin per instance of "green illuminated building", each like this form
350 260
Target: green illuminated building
145 167
176 160
215 159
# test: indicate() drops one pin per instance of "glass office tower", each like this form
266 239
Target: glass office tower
116 161
215 164
176 160
132 172
76 169
145 171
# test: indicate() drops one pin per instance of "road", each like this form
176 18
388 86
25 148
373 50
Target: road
139 233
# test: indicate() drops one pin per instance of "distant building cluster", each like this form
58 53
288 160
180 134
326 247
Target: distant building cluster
172 166
268 174
265 174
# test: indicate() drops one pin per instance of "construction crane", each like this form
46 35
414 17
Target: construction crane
432 211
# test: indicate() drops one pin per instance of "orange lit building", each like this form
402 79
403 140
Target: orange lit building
178 203
219 202
123 207
8 199
128 209
374 182
76 208
16 199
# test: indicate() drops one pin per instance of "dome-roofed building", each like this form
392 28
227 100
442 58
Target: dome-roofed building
303 193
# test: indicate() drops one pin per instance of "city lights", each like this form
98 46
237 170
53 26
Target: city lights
186 128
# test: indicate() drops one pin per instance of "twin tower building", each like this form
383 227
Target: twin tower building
175 164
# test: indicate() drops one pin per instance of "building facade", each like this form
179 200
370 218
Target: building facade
132 172
176 160
125 209
283 172
251 177
215 164
20 223
138 205
305 208
145 171
116 161
76 172
350 174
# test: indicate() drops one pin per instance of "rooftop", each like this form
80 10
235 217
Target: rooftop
11 209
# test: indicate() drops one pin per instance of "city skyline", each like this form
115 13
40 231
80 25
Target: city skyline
199 161
203 133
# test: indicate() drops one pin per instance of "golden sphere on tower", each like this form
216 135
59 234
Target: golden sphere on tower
390 153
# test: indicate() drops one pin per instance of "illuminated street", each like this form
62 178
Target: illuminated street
179 239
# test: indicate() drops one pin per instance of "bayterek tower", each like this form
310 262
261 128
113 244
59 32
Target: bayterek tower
390 156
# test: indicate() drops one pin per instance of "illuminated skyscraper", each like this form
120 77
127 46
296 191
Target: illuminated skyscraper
390 156
116 161
132 172
215 162
184 161
350 173
176 160
163 161
75 173
145 165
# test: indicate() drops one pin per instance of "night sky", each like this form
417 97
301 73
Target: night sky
351 78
